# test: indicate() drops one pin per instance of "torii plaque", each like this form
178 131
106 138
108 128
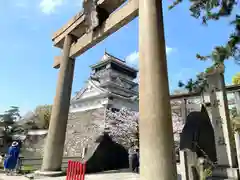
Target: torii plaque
84 31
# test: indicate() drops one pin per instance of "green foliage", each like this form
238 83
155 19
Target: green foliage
207 172
27 169
233 112
8 121
235 119
215 10
30 125
236 79
9 117
197 85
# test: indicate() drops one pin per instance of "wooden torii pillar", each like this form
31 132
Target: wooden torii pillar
156 138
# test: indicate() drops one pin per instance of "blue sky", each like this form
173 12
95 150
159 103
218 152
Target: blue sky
28 79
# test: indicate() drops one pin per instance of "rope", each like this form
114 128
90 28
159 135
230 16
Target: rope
206 156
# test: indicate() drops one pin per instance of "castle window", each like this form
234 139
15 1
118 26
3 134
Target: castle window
115 109
100 68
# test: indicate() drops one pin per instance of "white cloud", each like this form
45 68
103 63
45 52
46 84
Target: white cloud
49 6
169 50
132 58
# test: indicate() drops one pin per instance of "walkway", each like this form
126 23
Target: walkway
105 176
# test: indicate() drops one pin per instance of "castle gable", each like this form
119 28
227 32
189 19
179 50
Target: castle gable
91 89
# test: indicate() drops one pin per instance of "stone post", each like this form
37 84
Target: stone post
157 155
53 152
237 142
184 165
184 110
220 119
236 134
192 165
201 168
188 164
237 101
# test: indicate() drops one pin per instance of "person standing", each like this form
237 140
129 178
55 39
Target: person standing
133 159
11 160
136 160
131 152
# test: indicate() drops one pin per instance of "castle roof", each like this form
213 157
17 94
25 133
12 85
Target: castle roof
108 58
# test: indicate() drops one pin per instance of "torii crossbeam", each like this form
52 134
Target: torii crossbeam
76 27
98 20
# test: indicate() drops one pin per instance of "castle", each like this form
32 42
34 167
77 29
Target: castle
110 86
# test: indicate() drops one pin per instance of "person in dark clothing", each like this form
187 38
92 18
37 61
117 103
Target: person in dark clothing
134 160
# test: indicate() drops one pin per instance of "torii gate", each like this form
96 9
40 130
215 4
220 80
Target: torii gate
99 19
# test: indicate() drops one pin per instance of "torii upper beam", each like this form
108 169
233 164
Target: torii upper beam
78 28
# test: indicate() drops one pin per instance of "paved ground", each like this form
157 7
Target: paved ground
4 177
105 176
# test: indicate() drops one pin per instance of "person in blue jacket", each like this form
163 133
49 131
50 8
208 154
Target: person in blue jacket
11 160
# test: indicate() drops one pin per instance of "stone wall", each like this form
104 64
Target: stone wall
82 130
33 146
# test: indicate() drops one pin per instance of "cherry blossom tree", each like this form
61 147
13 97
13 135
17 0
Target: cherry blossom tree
178 124
123 127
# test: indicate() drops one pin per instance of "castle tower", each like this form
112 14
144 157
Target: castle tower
111 84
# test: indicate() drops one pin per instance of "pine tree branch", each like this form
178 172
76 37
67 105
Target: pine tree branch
214 10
